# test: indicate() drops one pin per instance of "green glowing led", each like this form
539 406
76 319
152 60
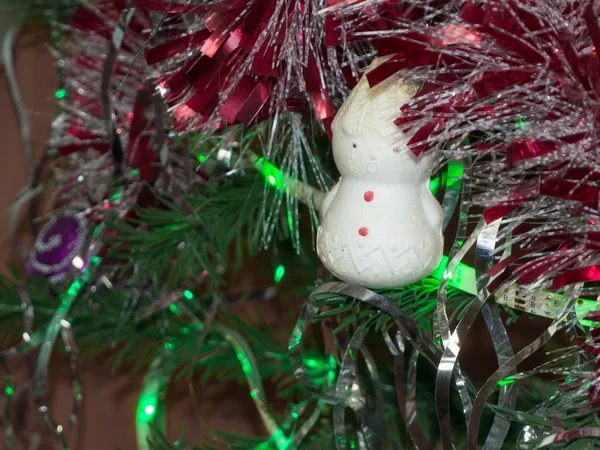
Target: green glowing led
60 94
463 276
187 294
434 185
201 158
169 346
147 407
9 390
271 173
74 288
246 367
134 172
184 330
455 169
174 308
313 363
279 273
506 381
331 372
295 342
295 415
522 124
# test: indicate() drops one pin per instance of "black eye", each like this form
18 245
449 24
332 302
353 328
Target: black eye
354 145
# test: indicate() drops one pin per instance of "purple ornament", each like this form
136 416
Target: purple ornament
58 246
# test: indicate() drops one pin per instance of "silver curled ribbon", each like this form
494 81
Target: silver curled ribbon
407 395
346 383
509 366
486 238
442 323
108 114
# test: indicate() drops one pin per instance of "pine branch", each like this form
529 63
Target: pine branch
175 246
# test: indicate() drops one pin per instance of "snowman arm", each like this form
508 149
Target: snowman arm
328 200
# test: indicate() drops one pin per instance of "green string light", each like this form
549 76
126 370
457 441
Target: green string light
150 411
434 184
279 273
60 94
463 276
506 381
270 173
188 294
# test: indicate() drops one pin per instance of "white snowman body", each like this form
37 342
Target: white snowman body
381 227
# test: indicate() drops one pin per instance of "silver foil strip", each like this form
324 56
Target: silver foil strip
584 432
406 392
375 381
52 331
295 354
442 324
414 334
414 428
349 393
484 260
73 352
510 366
487 237
308 424
25 128
452 194
42 364
105 96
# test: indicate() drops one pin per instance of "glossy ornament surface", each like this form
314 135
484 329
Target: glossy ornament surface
59 245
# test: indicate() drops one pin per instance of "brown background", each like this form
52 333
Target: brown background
107 418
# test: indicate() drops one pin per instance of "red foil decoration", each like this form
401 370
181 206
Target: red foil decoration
84 67
254 58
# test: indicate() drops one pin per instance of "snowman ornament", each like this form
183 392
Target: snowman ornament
381 227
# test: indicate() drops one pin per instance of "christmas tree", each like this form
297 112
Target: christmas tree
421 174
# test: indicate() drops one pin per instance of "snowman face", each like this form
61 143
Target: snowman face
366 142
376 157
